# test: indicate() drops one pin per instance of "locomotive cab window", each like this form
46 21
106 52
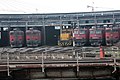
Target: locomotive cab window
115 30
82 32
35 33
75 32
108 30
11 33
28 33
92 32
18 33
98 31
66 32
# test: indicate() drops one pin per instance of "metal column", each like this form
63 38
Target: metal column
42 62
44 33
8 70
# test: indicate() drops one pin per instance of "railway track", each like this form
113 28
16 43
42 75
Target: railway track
55 53
47 61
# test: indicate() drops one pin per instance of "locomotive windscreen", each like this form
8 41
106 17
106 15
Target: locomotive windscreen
92 32
82 31
98 31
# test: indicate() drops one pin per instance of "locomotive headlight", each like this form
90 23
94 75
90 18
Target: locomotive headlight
107 36
12 39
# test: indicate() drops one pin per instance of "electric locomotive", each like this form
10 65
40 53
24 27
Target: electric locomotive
112 35
33 38
16 38
81 36
66 36
96 36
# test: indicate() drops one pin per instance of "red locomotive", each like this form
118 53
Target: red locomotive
97 36
16 38
112 35
81 36
33 37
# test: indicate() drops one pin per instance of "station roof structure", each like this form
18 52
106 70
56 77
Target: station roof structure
57 19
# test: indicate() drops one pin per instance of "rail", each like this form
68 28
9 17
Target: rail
57 57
